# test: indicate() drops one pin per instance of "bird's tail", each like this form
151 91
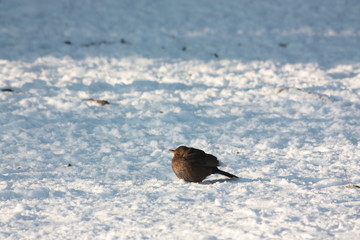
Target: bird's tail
225 173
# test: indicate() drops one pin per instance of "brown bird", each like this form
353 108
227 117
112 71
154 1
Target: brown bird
194 165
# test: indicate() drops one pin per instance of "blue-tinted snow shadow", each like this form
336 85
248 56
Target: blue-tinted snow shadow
247 180
215 52
138 85
172 30
235 180
222 180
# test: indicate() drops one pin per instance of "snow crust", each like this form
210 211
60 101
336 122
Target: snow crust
269 87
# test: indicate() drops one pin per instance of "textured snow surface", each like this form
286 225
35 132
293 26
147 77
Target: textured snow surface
272 88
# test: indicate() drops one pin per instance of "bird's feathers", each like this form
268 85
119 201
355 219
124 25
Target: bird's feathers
200 158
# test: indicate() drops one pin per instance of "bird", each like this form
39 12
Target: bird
194 165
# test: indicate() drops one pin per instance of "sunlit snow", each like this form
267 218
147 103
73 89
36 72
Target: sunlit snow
94 93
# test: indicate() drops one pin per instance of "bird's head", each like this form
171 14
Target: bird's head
180 151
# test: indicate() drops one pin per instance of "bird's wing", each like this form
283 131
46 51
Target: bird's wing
212 161
198 157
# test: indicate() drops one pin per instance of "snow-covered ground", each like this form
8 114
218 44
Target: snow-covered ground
272 88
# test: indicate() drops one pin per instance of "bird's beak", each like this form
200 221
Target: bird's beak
173 151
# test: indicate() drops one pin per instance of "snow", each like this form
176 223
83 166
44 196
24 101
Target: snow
269 87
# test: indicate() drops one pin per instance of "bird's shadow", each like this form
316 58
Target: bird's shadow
235 180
